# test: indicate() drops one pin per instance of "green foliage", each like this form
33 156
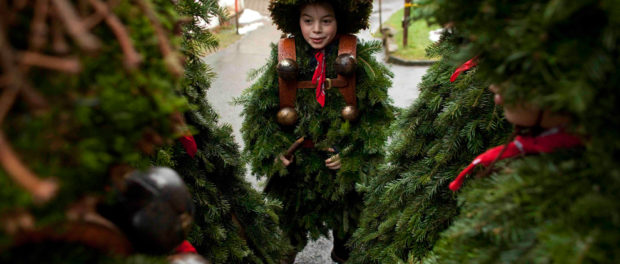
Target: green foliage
541 209
233 222
352 15
409 203
96 118
316 198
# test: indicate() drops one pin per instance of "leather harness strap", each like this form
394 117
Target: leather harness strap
288 89
346 85
348 44
329 83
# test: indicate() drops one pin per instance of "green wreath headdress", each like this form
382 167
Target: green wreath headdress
352 15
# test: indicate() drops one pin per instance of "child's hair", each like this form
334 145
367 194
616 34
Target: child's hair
352 15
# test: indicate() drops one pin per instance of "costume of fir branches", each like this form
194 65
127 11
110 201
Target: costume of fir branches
544 205
314 197
233 223
408 204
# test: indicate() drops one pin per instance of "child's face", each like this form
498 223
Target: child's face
318 24
527 115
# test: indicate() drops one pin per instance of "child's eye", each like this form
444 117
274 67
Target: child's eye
327 21
307 21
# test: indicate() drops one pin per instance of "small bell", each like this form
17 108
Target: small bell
155 210
287 69
349 112
345 64
287 116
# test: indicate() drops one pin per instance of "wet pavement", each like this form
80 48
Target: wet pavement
233 63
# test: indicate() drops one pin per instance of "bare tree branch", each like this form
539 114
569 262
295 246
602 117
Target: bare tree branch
132 58
68 15
42 190
70 65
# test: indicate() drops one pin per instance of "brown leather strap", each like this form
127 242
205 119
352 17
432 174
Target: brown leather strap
346 85
348 44
329 83
287 89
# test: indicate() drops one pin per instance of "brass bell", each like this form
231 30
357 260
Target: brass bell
350 112
287 69
287 116
345 64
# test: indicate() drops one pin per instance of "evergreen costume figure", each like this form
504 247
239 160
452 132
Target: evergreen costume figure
551 193
315 121
452 120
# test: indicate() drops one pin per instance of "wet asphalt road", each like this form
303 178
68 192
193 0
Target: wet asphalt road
233 63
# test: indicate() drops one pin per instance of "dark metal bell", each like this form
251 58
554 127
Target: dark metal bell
287 69
350 112
345 64
157 208
287 116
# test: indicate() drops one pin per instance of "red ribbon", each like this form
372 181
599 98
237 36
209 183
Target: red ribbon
185 247
466 66
545 143
319 77
189 144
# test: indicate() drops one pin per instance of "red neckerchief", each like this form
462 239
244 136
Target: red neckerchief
189 144
546 142
466 66
185 247
319 77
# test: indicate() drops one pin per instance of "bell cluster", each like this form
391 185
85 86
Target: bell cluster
345 64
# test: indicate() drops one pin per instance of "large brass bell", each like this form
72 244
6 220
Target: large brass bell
287 116
287 69
350 112
345 64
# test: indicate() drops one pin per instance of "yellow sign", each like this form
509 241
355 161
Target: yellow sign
411 5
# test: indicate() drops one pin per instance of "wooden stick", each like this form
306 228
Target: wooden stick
289 152
132 58
70 65
42 190
172 61
68 15
38 28
96 18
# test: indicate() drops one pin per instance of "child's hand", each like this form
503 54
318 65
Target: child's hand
284 161
333 162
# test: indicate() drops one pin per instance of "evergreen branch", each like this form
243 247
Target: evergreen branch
367 67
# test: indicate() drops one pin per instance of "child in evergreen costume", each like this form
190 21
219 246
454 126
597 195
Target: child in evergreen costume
336 128
551 194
